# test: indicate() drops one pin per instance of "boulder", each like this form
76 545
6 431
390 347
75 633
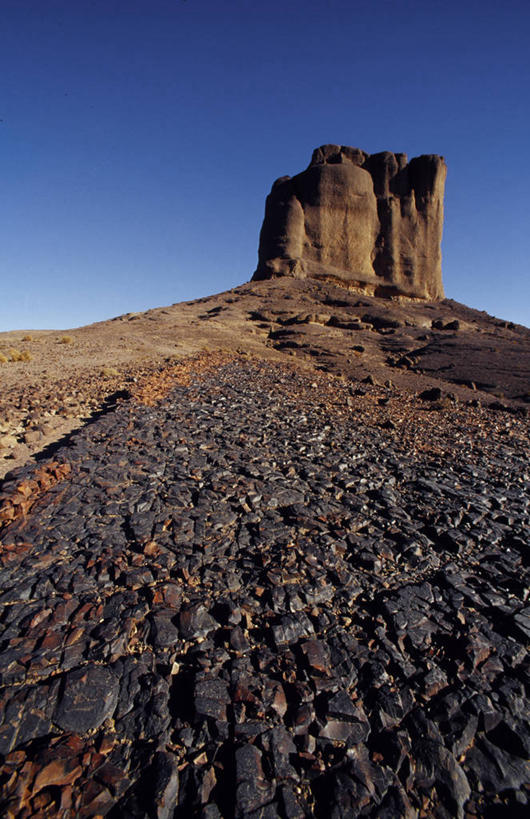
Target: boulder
369 222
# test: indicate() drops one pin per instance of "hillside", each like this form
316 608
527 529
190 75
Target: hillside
256 589
318 326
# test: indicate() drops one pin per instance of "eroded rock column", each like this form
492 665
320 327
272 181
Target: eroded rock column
372 222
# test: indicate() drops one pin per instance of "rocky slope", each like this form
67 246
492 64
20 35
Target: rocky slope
256 589
322 327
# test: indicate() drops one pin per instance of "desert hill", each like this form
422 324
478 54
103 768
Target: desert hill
249 587
264 555
316 325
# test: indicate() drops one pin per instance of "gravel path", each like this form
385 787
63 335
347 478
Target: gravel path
268 596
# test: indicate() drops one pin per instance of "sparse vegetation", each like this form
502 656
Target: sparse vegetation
27 338
66 340
15 355
108 371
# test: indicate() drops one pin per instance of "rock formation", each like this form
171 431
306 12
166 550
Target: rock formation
372 222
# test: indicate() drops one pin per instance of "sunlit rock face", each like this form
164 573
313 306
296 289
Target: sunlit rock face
371 222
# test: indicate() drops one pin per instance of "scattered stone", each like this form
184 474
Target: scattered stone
195 622
252 789
166 784
247 598
432 394
164 633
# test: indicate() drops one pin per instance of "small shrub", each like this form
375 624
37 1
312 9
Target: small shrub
27 338
108 371
66 340
26 356
15 355
3 359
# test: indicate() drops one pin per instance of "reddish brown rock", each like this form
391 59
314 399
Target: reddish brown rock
372 222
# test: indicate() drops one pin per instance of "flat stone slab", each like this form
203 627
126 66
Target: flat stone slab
90 696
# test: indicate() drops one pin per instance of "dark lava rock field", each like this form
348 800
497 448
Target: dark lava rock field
269 594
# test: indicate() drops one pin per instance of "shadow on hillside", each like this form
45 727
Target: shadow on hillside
109 405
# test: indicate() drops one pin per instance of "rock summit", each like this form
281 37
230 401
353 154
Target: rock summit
366 221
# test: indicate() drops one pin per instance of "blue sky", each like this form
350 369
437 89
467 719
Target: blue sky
139 138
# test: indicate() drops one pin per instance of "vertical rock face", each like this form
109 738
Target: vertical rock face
372 222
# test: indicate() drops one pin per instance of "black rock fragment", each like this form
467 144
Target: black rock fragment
89 696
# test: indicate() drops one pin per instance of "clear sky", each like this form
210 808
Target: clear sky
139 138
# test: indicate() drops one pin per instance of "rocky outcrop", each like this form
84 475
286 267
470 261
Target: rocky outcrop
372 222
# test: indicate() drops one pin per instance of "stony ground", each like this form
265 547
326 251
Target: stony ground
53 381
253 592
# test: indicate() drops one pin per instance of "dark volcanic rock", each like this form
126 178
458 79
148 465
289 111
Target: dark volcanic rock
434 394
90 696
166 784
256 599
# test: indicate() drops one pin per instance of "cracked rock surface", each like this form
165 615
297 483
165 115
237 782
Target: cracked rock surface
269 594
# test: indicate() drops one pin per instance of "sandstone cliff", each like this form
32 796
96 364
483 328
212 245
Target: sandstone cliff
372 222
